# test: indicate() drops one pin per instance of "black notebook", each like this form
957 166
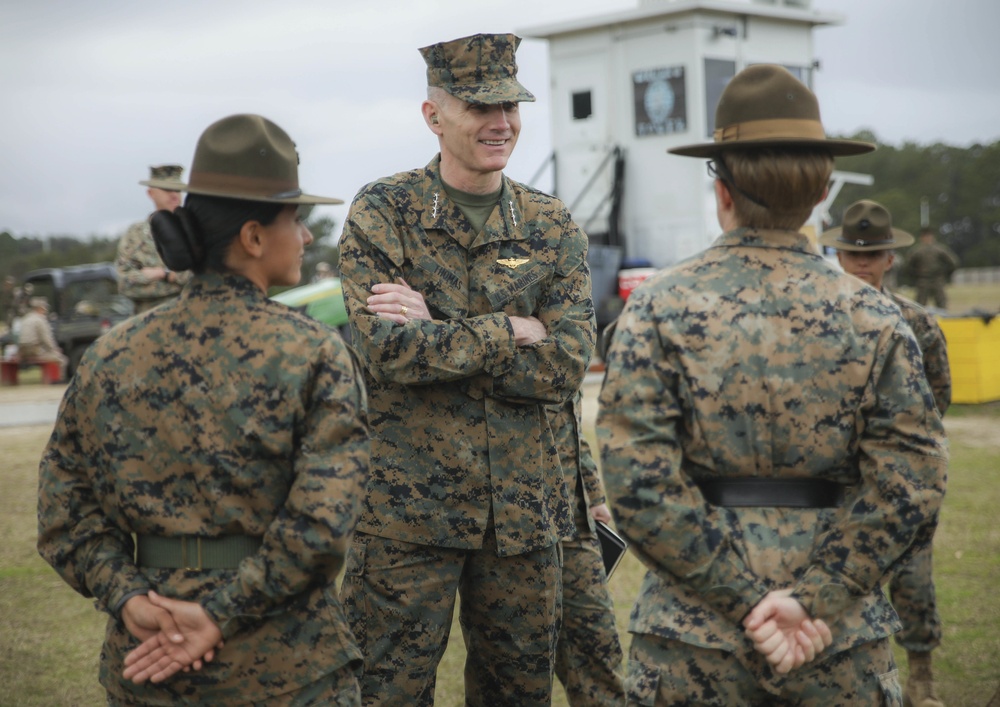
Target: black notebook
612 547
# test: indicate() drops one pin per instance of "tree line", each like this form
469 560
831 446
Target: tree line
19 255
960 187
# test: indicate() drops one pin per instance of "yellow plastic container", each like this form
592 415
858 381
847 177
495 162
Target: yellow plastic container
974 358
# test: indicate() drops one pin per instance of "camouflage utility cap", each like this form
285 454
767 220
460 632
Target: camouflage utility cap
165 176
867 226
477 69
247 157
764 106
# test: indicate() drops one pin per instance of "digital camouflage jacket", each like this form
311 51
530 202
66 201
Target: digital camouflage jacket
756 358
219 413
933 346
137 250
579 467
459 425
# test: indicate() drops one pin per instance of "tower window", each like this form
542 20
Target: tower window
582 108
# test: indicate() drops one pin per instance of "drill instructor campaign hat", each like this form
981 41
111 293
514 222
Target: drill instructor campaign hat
764 106
245 157
480 69
867 226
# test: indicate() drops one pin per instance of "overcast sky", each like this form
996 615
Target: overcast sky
92 93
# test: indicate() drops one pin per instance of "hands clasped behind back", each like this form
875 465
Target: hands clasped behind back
783 632
176 635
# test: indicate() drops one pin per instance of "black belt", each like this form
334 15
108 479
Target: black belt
194 552
792 493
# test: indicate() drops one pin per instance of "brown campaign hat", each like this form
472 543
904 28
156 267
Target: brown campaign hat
764 106
246 157
165 176
867 226
477 69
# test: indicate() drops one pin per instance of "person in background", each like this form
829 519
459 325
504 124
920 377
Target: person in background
589 653
142 275
469 300
323 272
35 340
930 266
865 245
769 442
8 292
227 434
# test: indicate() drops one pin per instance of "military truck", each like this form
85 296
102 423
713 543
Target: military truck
83 302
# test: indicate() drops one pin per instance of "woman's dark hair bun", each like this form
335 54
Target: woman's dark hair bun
177 239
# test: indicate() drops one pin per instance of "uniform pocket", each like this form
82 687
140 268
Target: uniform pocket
354 565
641 683
892 691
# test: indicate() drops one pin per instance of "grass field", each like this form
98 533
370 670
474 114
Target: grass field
50 637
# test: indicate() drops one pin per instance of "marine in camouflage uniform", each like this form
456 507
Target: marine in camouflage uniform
589 654
227 433
35 339
930 265
865 244
467 494
765 426
142 276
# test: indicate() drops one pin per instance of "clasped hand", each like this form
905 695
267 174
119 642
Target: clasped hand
176 636
783 632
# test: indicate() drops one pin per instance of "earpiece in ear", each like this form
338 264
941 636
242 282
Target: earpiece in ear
434 119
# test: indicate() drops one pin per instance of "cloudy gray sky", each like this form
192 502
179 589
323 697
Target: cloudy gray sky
91 93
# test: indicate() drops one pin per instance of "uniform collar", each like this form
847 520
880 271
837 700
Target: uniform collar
229 284
504 224
766 238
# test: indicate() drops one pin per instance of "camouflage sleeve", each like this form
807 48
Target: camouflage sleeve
130 277
936 368
903 465
590 474
420 352
574 449
588 466
553 369
137 250
656 505
308 539
89 551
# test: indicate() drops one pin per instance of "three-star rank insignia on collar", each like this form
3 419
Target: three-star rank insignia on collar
512 262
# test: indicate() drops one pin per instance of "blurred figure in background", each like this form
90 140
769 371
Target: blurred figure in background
7 293
35 340
142 275
865 243
589 660
323 272
930 266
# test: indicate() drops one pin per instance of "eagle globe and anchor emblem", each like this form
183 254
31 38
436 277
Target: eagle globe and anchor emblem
659 101
659 108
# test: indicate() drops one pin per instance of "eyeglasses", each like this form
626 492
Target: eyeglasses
717 169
